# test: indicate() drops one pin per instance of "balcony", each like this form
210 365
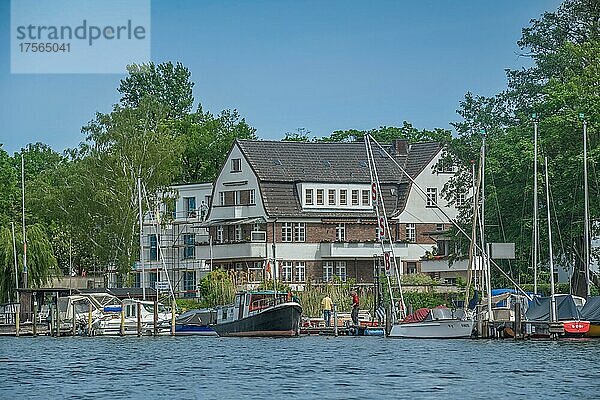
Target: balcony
359 249
232 251
442 265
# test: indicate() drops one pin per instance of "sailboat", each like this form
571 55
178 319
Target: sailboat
440 322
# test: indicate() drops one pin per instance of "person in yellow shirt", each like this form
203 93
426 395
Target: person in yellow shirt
327 306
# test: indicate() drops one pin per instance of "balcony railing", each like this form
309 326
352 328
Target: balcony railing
359 249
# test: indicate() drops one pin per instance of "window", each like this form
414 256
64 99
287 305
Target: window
308 197
256 227
331 197
354 197
299 232
340 270
138 280
327 271
343 197
189 245
219 234
410 232
286 232
189 205
238 232
340 232
461 200
252 199
236 165
320 195
222 198
411 267
153 278
153 248
189 283
300 271
286 271
366 197
431 197
439 227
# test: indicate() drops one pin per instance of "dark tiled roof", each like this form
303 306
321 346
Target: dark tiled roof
280 165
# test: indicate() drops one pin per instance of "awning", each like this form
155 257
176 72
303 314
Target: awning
220 222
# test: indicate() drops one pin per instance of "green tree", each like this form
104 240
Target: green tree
168 84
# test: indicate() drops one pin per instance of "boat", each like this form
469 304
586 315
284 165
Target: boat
434 323
259 313
196 322
110 322
440 322
591 312
568 314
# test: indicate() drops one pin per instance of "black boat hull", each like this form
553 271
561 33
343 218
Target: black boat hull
278 321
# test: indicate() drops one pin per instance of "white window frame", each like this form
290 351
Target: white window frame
236 165
299 232
220 234
309 200
286 271
461 199
300 271
286 232
222 198
320 200
331 197
252 196
343 197
431 200
355 197
327 271
411 233
341 270
365 197
340 232
238 232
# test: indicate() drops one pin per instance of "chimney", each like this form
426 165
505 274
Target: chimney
400 147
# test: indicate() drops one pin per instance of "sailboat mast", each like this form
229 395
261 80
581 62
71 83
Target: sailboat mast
25 282
484 247
551 263
536 234
14 243
586 219
143 280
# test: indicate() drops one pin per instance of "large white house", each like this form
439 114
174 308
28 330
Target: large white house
308 205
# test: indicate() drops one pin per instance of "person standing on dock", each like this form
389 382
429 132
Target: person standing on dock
355 304
327 306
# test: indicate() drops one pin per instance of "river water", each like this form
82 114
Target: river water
297 368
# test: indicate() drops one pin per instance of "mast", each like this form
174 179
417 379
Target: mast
25 282
12 224
586 219
536 234
553 299
484 247
143 280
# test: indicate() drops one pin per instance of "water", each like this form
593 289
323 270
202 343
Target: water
298 368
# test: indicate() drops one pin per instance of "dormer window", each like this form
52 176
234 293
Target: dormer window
308 197
331 197
236 165
320 197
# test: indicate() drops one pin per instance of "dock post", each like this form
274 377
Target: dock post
518 321
174 306
35 318
90 318
335 320
52 322
17 322
156 315
139 321
122 327
73 322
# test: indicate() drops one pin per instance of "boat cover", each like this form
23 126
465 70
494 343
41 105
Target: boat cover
197 317
539 310
591 309
417 316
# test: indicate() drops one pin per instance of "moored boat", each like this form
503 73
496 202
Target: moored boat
434 323
538 315
196 322
591 312
259 313
109 324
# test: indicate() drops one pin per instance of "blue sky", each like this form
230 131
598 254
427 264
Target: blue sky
285 65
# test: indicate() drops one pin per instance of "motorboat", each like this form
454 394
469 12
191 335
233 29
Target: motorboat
196 322
259 313
434 323
591 312
568 315
126 316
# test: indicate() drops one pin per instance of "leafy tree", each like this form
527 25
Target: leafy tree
168 84
9 191
385 134
216 288
301 135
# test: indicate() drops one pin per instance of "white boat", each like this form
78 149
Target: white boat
109 324
439 323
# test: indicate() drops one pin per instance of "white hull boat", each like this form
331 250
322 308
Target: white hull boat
110 323
439 323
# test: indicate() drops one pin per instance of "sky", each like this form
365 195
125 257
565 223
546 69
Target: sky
285 64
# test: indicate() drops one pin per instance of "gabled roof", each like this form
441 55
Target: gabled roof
280 165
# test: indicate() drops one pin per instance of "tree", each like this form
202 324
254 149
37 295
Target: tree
301 135
166 83
385 134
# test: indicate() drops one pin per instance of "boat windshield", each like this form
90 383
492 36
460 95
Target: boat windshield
150 308
441 313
